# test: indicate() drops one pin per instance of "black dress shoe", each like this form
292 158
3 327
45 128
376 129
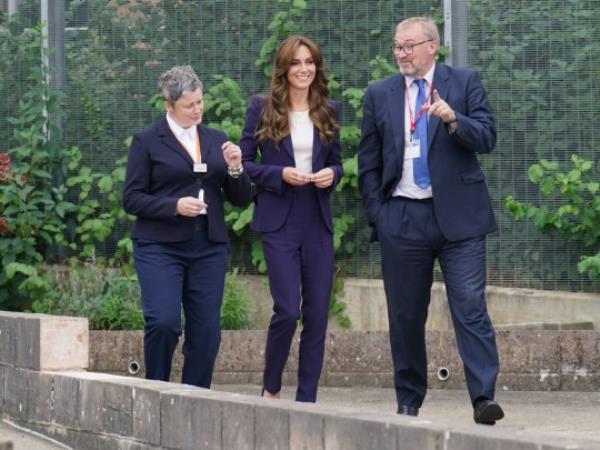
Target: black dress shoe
408 410
486 412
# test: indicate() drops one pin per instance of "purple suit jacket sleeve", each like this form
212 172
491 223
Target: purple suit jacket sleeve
266 176
334 159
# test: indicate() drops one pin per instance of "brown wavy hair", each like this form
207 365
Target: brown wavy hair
274 124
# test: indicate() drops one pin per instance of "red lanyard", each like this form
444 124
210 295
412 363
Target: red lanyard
413 121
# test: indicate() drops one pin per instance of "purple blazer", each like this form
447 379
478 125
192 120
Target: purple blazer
273 196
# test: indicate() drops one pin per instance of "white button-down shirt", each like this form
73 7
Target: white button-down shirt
187 136
407 186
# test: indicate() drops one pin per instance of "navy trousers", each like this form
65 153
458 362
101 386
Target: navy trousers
171 275
410 242
299 259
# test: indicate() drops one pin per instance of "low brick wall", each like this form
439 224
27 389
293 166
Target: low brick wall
97 411
530 359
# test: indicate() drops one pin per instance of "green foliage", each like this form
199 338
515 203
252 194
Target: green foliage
283 24
235 311
97 213
350 178
337 307
108 297
226 106
118 307
544 111
39 219
31 282
33 206
577 214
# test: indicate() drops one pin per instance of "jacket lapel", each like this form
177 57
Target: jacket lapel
396 108
169 140
205 144
440 83
316 147
286 143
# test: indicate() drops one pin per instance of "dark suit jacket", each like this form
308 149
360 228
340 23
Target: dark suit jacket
160 171
460 197
273 195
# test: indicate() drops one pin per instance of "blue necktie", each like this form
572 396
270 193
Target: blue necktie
420 165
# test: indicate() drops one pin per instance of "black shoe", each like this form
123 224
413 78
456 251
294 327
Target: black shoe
486 412
408 410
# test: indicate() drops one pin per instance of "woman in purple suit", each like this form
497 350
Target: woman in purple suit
294 128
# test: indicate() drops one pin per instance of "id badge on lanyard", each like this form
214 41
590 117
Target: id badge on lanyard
412 149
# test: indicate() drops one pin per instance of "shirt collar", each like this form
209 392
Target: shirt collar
428 77
177 130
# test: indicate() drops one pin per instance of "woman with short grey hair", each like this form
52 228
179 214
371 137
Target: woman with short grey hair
176 81
178 174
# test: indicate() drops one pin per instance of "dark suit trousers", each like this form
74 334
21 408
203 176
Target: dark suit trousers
410 242
171 275
299 260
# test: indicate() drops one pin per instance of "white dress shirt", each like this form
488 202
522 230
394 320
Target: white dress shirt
407 186
187 136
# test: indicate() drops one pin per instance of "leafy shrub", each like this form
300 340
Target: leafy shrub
235 311
32 203
108 297
578 215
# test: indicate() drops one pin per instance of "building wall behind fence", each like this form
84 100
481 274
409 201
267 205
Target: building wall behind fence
539 59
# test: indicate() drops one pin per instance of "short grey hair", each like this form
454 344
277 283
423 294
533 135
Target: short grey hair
177 81
428 26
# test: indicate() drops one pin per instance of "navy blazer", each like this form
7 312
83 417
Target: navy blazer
160 171
273 196
461 200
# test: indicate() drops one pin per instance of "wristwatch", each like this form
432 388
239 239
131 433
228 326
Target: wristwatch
235 173
451 129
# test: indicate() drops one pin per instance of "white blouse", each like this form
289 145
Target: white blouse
302 133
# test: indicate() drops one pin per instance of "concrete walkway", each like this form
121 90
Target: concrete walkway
574 415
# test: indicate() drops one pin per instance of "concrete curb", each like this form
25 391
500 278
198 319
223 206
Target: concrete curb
99 411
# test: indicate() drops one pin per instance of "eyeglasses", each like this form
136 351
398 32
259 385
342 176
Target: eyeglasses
408 49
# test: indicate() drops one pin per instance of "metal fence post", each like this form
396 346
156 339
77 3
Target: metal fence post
13 6
53 19
456 31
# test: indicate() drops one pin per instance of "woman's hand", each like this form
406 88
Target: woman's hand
295 177
323 178
232 155
190 206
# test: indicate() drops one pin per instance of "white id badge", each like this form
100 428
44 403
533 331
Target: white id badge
200 168
412 149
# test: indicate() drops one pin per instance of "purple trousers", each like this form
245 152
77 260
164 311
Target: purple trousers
299 259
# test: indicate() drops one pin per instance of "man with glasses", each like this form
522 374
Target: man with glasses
425 197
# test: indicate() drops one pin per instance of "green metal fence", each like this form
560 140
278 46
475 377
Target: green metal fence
539 59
